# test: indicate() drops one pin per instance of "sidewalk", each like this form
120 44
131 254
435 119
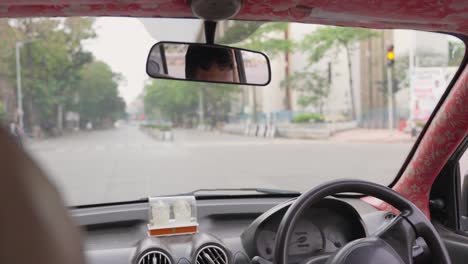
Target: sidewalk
372 135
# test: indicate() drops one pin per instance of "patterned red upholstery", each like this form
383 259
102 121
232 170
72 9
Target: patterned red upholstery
436 15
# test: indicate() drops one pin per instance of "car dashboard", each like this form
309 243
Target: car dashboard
231 231
323 229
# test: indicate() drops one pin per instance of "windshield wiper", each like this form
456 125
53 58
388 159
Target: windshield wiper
255 190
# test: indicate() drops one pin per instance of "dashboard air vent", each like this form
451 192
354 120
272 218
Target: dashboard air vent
211 255
154 257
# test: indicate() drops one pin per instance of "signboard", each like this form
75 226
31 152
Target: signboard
427 84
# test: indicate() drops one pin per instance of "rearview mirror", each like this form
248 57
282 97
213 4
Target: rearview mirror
208 63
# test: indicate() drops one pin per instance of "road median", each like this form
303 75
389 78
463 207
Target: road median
313 131
162 133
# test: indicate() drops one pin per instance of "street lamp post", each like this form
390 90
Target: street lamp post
19 45
18 85
390 98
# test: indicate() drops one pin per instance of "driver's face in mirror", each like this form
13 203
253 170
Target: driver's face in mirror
210 64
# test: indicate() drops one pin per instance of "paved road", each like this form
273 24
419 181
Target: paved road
124 163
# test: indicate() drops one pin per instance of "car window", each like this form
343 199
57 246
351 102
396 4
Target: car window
463 203
342 103
463 164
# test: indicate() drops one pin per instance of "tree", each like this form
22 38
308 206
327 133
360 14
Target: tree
456 53
171 100
2 113
318 43
51 59
75 30
178 101
400 74
41 61
7 38
97 95
313 85
7 47
218 98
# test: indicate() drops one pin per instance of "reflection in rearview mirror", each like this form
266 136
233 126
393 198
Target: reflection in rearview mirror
207 63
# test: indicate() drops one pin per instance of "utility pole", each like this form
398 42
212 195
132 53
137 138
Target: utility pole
390 98
410 74
370 109
254 104
288 99
18 86
390 64
201 110
19 45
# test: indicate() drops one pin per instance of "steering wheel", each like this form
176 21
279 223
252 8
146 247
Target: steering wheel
392 244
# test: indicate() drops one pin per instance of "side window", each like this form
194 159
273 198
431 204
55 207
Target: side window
449 193
463 205
464 168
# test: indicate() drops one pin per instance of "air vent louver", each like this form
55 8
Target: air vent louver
154 257
211 255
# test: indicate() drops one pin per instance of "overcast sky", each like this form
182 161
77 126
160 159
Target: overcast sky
123 43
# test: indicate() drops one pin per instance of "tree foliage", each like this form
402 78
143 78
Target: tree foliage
323 39
170 100
2 112
7 47
51 59
53 65
400 74
268 38
456 53
97 95
217 101
179 102
238 31
313 86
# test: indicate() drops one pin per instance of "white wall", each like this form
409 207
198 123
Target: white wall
403 41
272 95
356 71
420 42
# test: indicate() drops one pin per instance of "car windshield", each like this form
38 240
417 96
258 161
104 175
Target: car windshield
342 103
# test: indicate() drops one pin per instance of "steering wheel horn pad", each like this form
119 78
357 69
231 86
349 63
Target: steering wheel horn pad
368 250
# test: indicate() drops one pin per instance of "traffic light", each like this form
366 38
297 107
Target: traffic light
390 56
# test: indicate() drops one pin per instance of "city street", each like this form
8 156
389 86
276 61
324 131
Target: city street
124 163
